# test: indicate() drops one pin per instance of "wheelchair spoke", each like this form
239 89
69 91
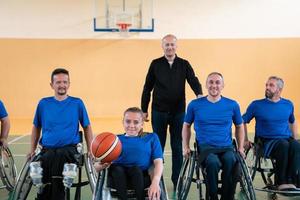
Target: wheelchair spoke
8 169
185 177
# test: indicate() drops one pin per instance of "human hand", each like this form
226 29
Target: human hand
30 155
3 142
186 151
247 144
154 190
145 116
241 150
100 166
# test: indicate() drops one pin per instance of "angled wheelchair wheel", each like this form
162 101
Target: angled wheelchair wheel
252 160
101 191
24 182
163 193
8 170
186 176
91 172
245 180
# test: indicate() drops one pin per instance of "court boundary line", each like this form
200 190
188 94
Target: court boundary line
17 138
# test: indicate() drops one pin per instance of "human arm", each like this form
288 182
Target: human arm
240 136
88 135
154 189
35 136
186 136
294 130
148 87
193 80
247 143
5 126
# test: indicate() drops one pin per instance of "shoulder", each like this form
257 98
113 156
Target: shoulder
157 60
181 60
75 99
46 100
287 101
229 101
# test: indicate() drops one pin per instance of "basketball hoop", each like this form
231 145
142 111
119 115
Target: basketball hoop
123 28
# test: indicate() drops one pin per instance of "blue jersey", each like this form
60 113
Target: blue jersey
272 118
213 121
3 112
139 151
60 120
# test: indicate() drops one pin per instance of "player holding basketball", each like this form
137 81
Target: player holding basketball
141 156
5 125
58 119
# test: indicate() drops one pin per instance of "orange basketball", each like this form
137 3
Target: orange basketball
106 147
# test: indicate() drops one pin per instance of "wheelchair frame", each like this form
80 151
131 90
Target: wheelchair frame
103 192
192 166
8 178
24 182
254 159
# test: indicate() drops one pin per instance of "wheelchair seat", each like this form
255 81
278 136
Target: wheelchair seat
105 189
8 170
24 182
192 171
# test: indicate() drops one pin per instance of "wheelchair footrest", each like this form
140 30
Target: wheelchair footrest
80 184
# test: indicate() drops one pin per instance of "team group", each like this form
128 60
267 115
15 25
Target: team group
57 118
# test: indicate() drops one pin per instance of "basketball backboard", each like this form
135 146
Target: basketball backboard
111 15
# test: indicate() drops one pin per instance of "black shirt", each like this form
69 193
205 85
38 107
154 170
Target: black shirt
168 85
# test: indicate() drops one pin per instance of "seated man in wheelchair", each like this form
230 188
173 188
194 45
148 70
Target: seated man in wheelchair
212 116
58 119
141 156
5 125
275 128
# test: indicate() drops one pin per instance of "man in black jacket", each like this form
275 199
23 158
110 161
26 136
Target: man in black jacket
166 77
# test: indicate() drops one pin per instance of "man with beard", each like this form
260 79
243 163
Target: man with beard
58 119
276 128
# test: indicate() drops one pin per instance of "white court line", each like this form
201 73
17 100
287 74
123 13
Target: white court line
17 138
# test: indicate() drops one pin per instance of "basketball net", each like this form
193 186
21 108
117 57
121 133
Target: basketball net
124 29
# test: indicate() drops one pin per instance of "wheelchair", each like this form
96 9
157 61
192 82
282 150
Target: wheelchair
257 163
25 182
8 170
193 172
105 189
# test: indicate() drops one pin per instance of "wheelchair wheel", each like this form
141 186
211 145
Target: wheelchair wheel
186 176
163 193
8 170
252 161
91 172
24 183
245 180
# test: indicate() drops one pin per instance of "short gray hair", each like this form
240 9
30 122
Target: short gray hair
279 81
169 35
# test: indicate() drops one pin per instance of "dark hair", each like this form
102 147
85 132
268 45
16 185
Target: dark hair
134 110
59 71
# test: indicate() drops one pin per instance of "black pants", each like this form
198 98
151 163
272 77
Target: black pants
287 161
52 162
124 176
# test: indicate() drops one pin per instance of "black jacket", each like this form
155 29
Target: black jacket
168 85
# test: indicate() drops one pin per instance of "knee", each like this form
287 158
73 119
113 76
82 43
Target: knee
229 160
295 146
212 163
